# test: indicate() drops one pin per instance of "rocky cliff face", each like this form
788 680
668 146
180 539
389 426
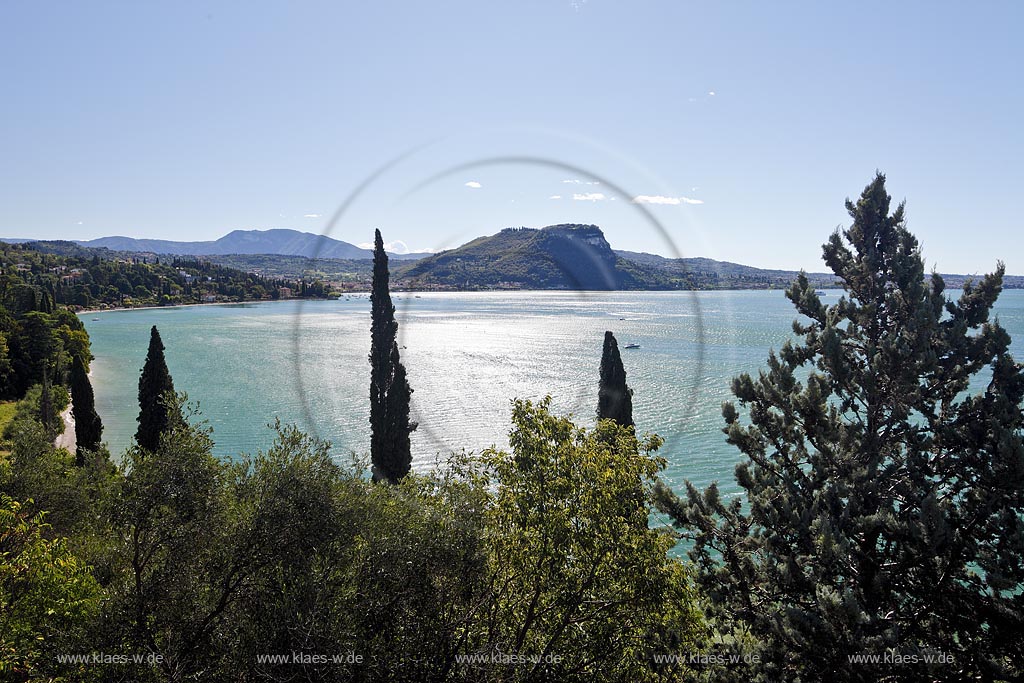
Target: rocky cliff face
582 254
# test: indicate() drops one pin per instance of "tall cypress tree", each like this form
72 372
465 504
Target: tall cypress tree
884 476
614 397
155 414
47 413
390 447
88 427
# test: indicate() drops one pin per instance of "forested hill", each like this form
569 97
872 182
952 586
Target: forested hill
76 276
556 257
737 276
722 274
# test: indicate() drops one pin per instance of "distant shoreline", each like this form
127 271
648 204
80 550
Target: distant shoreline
198 303
350 293
113 309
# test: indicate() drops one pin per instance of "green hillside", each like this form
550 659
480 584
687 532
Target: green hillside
556 257
99 278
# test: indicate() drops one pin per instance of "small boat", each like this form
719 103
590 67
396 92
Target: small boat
95 318
632 346
820 292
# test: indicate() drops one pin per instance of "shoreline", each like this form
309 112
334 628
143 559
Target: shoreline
113 309
435 291
68 439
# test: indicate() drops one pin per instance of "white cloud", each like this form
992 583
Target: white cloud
312 215
659 199
711 92
474 185
574 181
555 196
79 223
589 197
396 247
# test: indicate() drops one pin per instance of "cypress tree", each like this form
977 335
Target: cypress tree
88 427
47 413
390 447
155 416
614 397
883 472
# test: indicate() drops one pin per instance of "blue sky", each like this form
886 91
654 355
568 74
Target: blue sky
752 122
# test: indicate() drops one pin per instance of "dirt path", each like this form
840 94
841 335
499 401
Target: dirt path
67 439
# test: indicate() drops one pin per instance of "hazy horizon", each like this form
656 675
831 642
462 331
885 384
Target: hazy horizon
403 249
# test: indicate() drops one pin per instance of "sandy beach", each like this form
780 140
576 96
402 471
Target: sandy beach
67 439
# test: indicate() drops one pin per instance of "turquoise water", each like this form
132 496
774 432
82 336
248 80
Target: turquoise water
467 355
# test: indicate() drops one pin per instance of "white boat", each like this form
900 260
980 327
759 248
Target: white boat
632 346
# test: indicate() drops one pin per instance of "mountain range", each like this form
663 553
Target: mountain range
566 256
279 241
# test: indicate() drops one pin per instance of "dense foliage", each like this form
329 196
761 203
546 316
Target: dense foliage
511 566
884 478
36 337
47 597
574 569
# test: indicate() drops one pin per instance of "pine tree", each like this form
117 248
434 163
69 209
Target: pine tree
155 414
390 447
884 476
88 427
614 397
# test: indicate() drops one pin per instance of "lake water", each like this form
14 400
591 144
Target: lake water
467 356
